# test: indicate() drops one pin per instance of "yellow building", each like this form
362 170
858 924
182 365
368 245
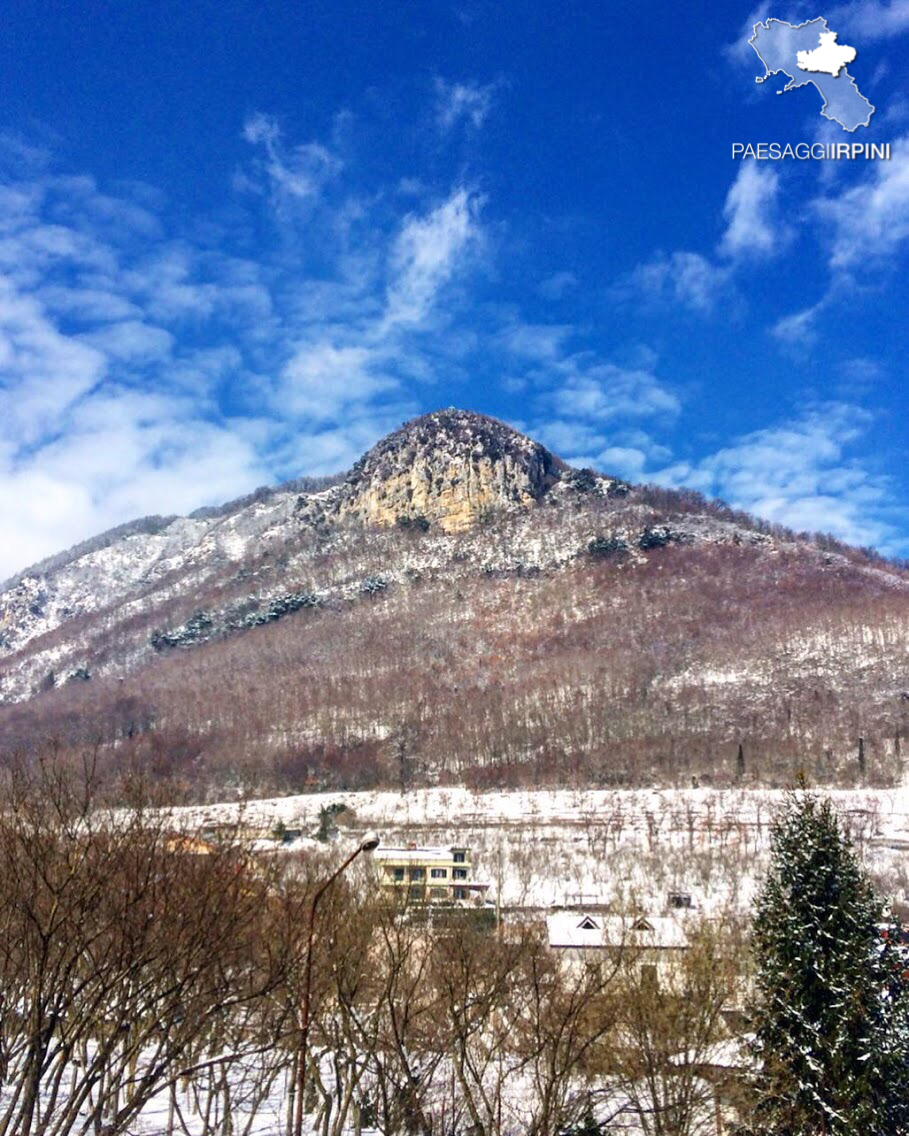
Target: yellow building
429 874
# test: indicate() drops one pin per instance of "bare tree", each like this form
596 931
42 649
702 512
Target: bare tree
124 953
670 1027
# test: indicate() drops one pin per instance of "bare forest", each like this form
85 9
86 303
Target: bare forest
714 661
153 984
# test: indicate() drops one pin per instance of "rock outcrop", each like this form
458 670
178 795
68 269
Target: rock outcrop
448 469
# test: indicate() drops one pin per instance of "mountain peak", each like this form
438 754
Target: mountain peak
448 469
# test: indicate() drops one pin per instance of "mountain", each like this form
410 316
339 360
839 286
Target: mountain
462 607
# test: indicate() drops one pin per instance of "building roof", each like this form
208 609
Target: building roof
594 930
421 855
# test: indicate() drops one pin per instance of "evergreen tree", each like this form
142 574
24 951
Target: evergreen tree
831 1018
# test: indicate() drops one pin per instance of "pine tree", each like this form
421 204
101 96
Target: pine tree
831 1017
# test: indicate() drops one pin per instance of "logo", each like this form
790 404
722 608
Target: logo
810 55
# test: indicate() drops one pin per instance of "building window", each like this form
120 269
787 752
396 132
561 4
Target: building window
439 873
437 893
679 899
398 873
418 873
459 873
460 857
416 893
460 893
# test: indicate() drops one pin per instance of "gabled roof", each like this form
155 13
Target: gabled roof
582 929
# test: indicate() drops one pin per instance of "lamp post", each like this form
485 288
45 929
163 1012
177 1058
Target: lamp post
369 844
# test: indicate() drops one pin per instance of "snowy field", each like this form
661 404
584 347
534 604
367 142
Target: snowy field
545 848
537 850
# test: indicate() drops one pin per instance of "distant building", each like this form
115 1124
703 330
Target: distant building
187 844
652 942
592 931
232 832
435 875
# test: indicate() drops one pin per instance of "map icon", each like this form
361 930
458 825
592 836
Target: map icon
809 53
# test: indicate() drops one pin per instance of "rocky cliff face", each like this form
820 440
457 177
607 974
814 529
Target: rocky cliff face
448 469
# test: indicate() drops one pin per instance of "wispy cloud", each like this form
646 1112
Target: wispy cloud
686 279
538 341
295 172
425 254
144 370
324 383
556 286
806 474
698 282
463 102
799 329
868 221
595 412
753 224
861 226
870 19
603 392
740 51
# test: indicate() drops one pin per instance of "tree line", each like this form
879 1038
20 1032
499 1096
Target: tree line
720 663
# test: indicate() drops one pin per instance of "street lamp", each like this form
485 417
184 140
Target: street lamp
369 843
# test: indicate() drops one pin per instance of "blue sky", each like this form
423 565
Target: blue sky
241 241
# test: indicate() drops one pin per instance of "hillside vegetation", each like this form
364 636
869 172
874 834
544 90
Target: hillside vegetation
465 609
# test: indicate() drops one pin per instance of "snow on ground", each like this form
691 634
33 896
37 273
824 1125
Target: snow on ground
545 848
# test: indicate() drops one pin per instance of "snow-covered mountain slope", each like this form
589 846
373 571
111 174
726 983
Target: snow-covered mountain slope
447 470
462 600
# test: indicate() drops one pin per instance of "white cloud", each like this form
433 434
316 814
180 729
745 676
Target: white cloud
144 372
44 370
798 329
740 51
119 454
624 461
91 305
536 340
467 102
425 256
586 408
867 222
132 341
800 474
870 19
167 284
699 283
556 286
861 372
684 278
614 449
753 225
323 382
292 173
603 392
